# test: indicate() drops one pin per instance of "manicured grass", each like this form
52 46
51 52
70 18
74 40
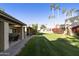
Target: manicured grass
38 45
71 39
51 45
54 36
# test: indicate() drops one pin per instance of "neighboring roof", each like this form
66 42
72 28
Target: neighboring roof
72 19
75 24
10 18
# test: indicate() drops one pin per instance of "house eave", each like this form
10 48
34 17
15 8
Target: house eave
10 18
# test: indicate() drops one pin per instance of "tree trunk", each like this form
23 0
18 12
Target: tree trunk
68 31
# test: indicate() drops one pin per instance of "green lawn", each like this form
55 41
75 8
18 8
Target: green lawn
72 40
51 45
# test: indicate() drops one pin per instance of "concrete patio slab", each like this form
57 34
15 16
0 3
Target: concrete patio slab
13 50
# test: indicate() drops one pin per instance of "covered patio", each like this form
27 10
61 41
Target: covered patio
11 30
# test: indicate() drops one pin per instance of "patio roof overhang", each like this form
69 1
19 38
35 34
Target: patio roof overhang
10 18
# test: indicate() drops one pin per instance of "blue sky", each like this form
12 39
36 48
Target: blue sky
35 12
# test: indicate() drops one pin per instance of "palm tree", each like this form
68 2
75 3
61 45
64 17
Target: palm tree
54 7
58 9
63 10
77 12
51 16
71 12
68 13
1 9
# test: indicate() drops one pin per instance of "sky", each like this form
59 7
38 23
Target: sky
36 13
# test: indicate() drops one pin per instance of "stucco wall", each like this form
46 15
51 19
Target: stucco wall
1 35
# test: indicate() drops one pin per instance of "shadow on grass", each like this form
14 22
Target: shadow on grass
65 48
41 46
74 38
70 38
40 33
77 37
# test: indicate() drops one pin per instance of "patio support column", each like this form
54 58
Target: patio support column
23 31
6 35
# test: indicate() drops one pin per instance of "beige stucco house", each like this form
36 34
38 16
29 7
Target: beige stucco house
9 25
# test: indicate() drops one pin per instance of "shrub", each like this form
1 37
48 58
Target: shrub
31 31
